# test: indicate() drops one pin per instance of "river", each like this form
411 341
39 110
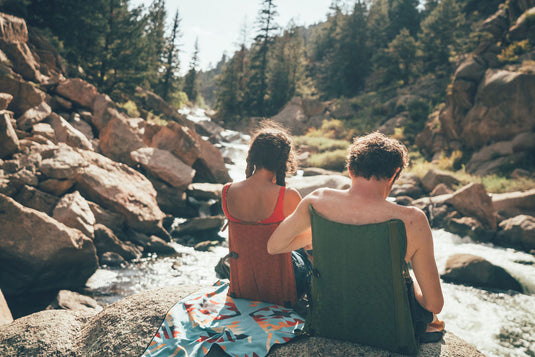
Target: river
498 323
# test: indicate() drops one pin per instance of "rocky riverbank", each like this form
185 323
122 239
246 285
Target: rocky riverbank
126 328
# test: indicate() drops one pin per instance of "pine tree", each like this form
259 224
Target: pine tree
258 82
155 34
190 80
403 14
170 80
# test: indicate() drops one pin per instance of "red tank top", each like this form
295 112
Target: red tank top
255 274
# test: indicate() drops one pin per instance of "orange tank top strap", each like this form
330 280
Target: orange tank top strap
278 213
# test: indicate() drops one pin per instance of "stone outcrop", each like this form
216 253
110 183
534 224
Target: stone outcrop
164 165
119 138
122 189
9 142
73 211
487 105
78 91
434 177
126 328
475 271
474 201
39 254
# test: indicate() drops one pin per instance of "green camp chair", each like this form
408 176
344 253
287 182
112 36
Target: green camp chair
359 292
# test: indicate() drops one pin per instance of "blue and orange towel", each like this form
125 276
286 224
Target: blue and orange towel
240 327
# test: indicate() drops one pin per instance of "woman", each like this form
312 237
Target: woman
254 209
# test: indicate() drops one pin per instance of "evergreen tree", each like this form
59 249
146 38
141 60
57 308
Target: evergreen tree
397 61
155 34
190 81
403 14
286 68
170 80
258 82
441 35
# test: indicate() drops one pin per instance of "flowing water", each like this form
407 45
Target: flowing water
498 323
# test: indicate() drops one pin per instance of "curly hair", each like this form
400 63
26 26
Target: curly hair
272 149
376 155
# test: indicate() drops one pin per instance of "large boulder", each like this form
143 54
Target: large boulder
513 203
112 220
5 313
473 200
156 104
476 271
62 162
210 165
119 188
518 231
9 142
503 108
178 140
70 300
66 133
433 177
38 200
106 241
37 253
13 29
306 185
104 110
164 165
78 91
73 210
119 138
126 328
25 95
33 115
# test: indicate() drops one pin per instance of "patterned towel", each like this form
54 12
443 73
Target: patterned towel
240 327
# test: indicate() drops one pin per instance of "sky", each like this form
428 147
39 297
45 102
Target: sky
218 23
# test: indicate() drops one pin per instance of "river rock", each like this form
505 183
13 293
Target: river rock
476 271
518 231
121 189
9 142
112 220
66 133
33 198
441 189
111 259
306 185
22 60
73 210
38 253
474 201
210 165
433 177
469 226
205 191
106 241
70 300
5 313
513 203
166 166
202 228
151 244
173 201
62 162
119 138
78 91
126 328
33 116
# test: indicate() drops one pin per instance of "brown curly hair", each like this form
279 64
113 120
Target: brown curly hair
376 155
272 149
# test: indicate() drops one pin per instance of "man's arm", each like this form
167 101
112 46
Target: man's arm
427 285
293 233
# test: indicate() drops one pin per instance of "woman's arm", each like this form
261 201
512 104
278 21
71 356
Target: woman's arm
293 233
427 284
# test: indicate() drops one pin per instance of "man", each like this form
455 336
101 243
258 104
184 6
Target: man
374 163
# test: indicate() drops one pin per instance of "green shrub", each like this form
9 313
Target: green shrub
330 160
512 52
130 108
319 144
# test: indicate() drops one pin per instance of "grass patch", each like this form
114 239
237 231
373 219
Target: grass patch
493 183
318 144
330 160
